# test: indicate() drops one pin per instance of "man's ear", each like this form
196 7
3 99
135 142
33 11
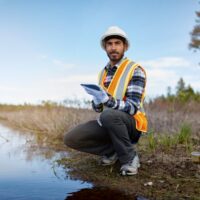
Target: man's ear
125 47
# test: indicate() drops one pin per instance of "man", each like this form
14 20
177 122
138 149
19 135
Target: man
122 119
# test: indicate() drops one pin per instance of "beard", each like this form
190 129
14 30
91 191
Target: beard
115 56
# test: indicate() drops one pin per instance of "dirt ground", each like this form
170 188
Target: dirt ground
170 176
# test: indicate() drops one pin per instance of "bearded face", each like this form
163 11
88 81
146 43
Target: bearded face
115 49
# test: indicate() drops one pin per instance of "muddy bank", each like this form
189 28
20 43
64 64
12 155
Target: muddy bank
160 176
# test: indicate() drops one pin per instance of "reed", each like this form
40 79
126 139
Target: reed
47 123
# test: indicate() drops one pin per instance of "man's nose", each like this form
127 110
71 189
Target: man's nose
113 46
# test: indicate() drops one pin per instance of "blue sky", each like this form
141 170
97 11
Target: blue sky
49 47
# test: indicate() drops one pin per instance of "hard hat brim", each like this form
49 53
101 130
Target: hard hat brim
114 35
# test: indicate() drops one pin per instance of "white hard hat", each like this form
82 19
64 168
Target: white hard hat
114 31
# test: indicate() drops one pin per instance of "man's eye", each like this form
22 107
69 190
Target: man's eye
118 43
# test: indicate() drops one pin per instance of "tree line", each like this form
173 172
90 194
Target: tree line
183 93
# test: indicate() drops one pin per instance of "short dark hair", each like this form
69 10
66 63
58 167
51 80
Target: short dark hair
116 37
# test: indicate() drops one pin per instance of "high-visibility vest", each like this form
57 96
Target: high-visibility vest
118 86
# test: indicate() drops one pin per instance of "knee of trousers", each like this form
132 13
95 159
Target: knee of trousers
109 116
69 140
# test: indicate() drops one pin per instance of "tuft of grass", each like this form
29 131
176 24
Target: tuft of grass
185 136
167 141
152 142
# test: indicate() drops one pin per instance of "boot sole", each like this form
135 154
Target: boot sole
124 173
107 164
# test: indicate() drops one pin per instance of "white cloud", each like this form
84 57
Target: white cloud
60 88
193 81
166 71
166 62
79 78
196 85
159 79
7 88
56 89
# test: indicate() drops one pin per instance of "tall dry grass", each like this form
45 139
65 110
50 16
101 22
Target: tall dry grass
169 116
48 123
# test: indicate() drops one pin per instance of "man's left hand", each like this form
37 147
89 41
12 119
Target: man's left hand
98 93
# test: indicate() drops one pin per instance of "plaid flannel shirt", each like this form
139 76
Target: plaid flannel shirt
133 93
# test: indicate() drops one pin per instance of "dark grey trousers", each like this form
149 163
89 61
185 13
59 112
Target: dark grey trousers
117 134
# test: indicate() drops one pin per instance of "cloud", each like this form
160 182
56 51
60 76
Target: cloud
196 85
45 89
163 72
79 78
159 79
10 89
166 62
63 87
193 81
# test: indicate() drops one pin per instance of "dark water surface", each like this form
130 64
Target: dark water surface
25 174
28 173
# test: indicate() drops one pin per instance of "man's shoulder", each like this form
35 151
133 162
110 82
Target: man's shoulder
134 62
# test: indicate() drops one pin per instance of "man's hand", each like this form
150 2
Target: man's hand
99 95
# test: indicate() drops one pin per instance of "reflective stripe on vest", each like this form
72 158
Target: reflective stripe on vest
118 86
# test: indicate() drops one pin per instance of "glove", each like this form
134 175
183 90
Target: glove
99 95
96 101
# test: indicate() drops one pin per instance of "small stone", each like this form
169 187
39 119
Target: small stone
148 183
149 161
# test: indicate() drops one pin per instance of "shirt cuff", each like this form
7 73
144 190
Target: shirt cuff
98 108
111 103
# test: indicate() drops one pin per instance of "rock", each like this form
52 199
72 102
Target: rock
148 183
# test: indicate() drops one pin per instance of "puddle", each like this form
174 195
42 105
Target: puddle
33 174
28 175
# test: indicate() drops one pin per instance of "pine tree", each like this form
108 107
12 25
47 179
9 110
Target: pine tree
195 34
180 86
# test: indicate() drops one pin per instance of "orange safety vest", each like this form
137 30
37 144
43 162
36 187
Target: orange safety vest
118 86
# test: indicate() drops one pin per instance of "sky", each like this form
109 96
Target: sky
49 47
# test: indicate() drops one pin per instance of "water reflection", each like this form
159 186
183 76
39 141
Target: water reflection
99 194
25 174
32 173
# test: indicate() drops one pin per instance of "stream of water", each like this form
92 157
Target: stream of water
26 175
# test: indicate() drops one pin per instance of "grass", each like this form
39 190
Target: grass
168 141
152 141
184 136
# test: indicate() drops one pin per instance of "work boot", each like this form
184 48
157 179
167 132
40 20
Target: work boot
130 168
109 160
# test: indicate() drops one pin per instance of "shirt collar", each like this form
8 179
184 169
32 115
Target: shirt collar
116 65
